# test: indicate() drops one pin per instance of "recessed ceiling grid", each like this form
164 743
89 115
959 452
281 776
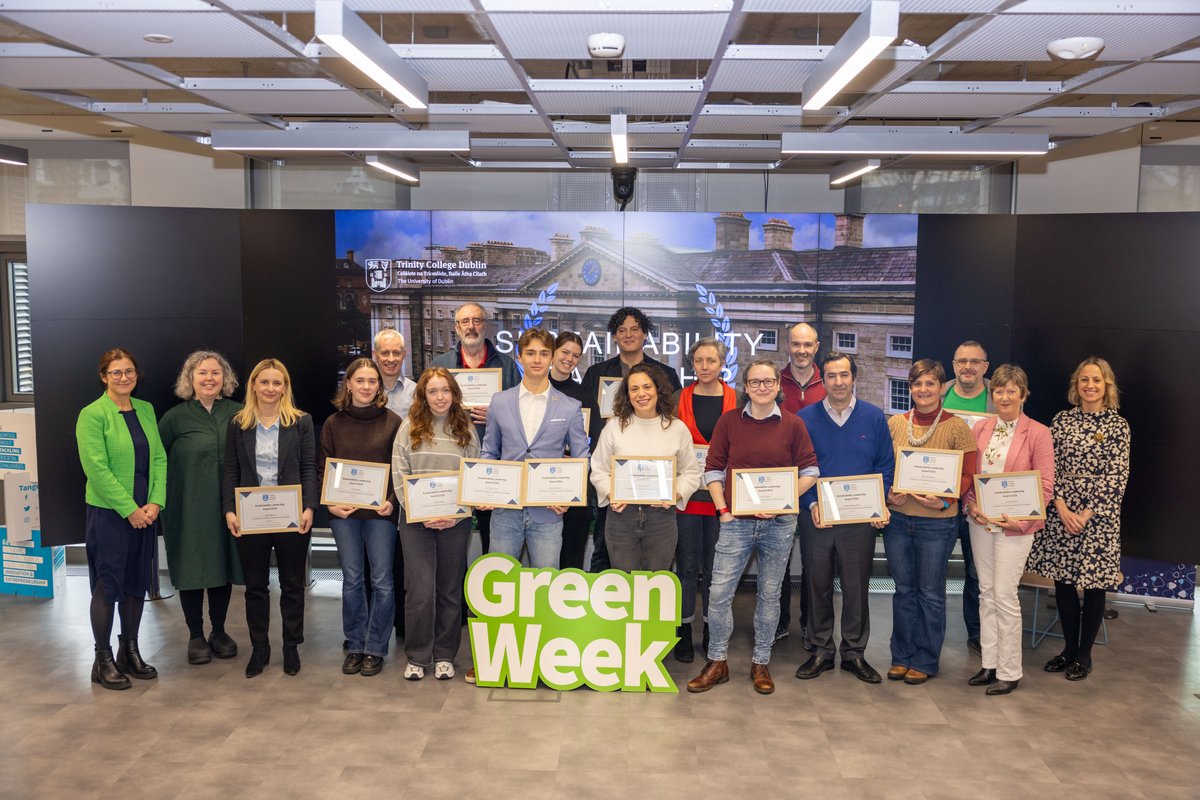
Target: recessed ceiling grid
564 35
1023 37
591 102
766 75
856 6
1153 78
940 105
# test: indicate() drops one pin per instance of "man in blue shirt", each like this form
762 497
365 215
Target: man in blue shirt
851 437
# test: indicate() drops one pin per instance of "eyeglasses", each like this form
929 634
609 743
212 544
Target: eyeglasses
467 322
116 373
970 362
763 383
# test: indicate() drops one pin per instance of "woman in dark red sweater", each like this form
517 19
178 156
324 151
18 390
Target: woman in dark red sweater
363 429
701 404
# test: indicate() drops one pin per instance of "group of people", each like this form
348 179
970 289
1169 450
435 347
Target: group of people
409 575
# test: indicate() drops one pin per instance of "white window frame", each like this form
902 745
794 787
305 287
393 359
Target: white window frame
763 344
14 326
892 353
837 345
892 382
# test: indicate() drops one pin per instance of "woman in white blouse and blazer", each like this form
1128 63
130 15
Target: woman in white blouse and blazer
1008 442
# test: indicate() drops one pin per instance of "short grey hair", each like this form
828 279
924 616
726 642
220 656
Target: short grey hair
183 386
385 333
710 341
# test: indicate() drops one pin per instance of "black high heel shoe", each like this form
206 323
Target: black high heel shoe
129 660
105 672
259 658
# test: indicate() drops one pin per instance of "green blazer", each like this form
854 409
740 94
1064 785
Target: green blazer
106 453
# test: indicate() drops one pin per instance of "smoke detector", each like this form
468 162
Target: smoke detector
1075 47
606 45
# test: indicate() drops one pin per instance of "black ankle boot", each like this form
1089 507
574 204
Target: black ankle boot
259 658
105 672
291 659
685 651
130 660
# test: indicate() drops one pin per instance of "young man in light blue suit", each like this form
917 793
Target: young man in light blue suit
532 420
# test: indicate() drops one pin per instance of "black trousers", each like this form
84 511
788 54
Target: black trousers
291 553
576 522
846 550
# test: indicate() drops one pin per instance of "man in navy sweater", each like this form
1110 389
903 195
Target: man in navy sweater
850 437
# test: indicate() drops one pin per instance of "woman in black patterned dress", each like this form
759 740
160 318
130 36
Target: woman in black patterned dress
1080 547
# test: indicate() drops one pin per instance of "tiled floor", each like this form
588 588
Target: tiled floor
1132 730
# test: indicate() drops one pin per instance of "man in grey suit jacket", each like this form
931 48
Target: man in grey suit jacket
532 420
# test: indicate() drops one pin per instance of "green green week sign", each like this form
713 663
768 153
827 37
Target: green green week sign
568 628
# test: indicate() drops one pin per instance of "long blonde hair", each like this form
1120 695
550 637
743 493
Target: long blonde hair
288 413
1112 396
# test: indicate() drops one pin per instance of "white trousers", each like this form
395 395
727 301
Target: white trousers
1000 563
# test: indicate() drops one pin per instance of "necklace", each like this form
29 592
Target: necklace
912 440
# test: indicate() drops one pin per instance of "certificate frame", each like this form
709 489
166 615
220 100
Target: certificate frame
328 493
465 471
737 505
533 464
903 463
493 382
618 463
411 482
826 498
587 420
290 494
1033 476
605 383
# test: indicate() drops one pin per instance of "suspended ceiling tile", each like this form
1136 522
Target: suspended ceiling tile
515 149
636 140
467 75
857 6
483 118
635 97
281 95
745 75
205 34
1023 37
731 150
949 106
39 66
564 35
1153 78
191 117
361 6
1065 126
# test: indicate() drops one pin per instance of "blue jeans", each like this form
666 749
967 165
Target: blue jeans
694 556
970 579
771 540
368 627
918 549
512 529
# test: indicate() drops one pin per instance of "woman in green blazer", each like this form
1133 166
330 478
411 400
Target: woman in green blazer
200 551
126 469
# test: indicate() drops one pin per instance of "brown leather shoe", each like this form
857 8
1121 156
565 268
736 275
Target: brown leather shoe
915 676
714 672
897 673
762 679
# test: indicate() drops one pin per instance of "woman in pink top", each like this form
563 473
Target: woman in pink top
1008 442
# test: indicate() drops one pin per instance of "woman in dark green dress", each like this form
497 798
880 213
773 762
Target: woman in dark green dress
201 554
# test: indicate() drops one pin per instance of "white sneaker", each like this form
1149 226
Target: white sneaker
413 673
444 670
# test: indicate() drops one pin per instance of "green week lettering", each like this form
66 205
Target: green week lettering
569 628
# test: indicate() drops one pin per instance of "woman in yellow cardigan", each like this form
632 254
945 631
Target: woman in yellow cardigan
126 469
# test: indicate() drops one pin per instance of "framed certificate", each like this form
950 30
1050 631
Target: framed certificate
701 459
970 417
362 484
606 395
642 480
926 471
433 495
268 509
773 490
851 499
478 385
500 484
1018 494
556 482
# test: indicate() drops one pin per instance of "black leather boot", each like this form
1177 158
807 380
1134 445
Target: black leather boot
130 660
105 672
685 651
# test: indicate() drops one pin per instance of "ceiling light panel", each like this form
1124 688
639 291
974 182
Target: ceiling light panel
1153 78
873 31
281 95
602 97
564 35
207 34
1023 37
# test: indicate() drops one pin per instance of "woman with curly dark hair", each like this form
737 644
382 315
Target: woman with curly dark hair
435 437
643 537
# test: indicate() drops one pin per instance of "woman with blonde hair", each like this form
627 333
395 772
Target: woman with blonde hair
435 437
1080 547
363 429
270 443
201 555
